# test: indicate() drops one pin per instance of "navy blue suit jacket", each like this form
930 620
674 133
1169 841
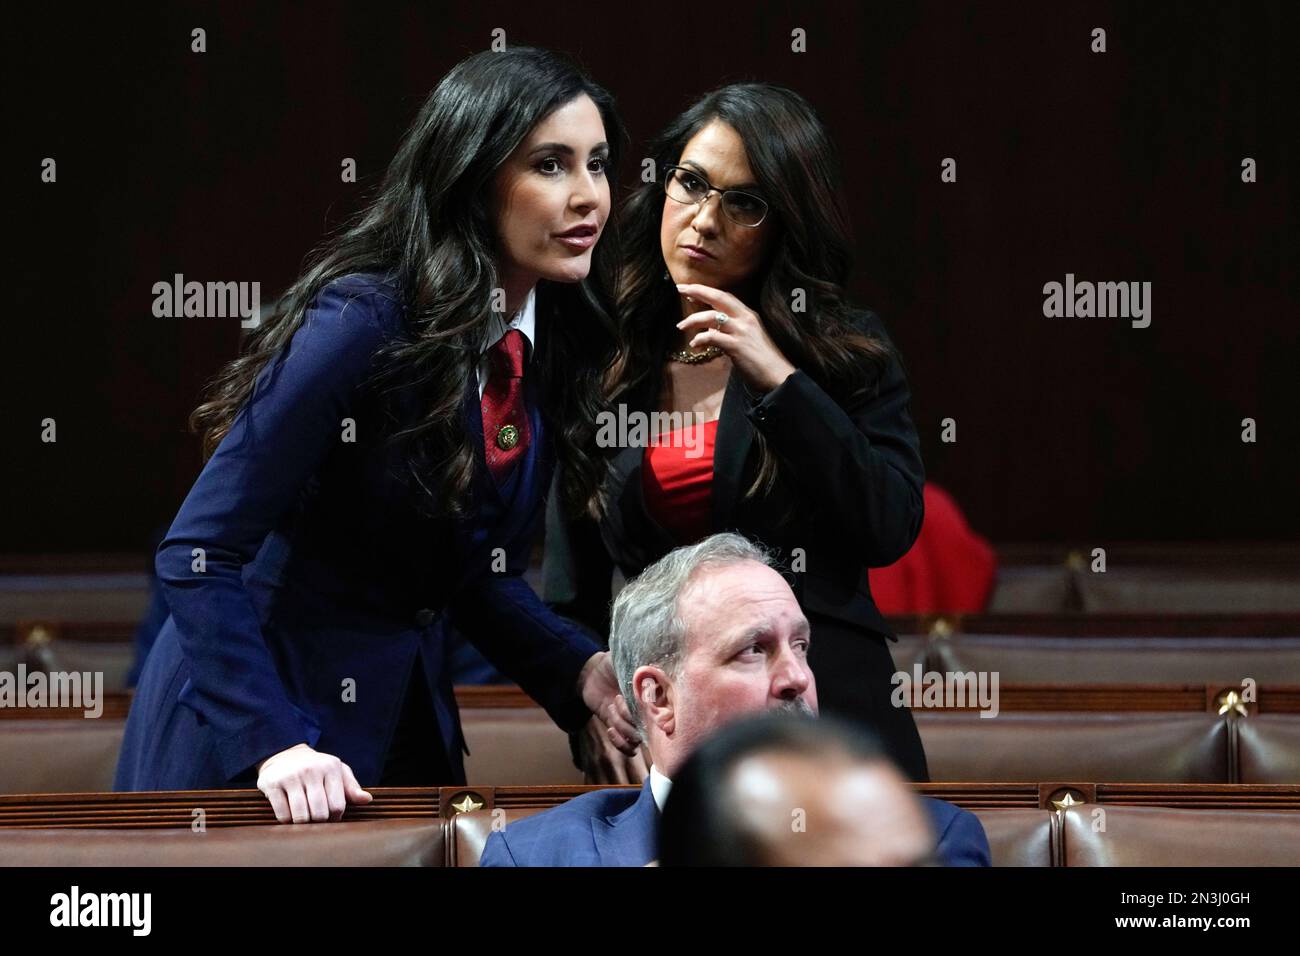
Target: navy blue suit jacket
322 591
621 828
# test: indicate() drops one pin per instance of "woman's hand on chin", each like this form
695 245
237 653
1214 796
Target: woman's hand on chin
742 336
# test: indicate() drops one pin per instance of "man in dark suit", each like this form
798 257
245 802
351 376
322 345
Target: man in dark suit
708 633
775 790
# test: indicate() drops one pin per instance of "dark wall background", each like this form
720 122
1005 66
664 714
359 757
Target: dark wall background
1119 166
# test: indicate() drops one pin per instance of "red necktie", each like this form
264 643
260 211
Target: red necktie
505 419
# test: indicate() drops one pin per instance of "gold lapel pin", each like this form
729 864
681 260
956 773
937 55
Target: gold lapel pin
507 437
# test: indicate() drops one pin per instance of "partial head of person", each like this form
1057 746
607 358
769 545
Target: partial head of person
783 790
709 632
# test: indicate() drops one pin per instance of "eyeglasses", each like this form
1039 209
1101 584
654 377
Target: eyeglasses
687 186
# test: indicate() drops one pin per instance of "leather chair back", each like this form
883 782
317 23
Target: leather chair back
1116 748
1155 836
361 843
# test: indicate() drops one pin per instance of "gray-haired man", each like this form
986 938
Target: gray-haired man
708 633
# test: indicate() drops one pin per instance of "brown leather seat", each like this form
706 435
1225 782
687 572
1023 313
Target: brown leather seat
59 756
467 833
1268 749
110 658
522 747
1155 836
1020 837
1021 659
1116 748
510 746
516 746
364 843
1030 590
52 595
1172 580
1187 590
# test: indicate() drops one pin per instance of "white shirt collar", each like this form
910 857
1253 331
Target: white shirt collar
525 320
659 787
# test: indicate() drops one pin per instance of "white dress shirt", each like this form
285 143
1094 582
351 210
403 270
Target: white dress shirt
659 787
525 320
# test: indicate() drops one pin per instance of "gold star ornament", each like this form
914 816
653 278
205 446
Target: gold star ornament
468 803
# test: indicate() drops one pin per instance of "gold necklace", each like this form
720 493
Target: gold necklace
687 357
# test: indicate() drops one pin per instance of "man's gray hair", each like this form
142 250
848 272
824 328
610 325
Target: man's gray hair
646 626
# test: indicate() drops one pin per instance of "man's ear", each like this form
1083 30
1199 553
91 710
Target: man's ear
653 697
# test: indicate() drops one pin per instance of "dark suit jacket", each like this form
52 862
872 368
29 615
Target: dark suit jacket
851 497
853 486
322 591
621 828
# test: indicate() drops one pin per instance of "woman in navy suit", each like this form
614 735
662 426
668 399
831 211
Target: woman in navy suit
379 459
734 294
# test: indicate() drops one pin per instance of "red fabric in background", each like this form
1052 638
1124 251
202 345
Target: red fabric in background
949 570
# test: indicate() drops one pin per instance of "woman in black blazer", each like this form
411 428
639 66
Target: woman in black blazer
733 299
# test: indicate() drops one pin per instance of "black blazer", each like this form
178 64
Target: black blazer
850 480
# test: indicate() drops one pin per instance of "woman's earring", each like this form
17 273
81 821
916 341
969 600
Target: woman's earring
667 277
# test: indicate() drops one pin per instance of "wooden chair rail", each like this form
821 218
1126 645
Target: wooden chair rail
225 808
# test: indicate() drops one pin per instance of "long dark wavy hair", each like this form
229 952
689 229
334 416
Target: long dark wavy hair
798 172
429 225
